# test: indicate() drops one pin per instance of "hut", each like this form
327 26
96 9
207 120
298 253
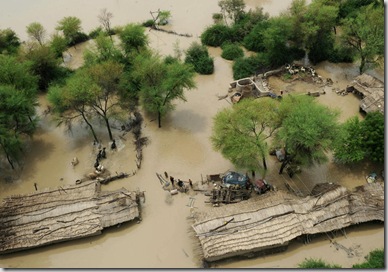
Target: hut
268 223
65 213
371 92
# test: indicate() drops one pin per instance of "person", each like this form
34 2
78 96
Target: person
96 164
172 180
281 92
99 155
191 183
103 153
36 187
180 183
113 146
165 174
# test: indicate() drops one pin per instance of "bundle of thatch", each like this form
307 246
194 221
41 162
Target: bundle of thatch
272 220
65 213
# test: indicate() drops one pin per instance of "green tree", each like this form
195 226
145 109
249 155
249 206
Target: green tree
275 41
58 45
17 120
375 259
297 12
44 65
36 31
232 9
103 50
198 56
348 146
319 22
19 75
70 27
162 83
365 34
241 133
9 41
106 76
247 22
308 130
372 130
133 37
311 263
71 102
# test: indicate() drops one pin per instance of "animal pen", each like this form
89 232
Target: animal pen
266 224
65 213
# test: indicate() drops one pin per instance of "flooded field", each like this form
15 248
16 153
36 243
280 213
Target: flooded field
181 147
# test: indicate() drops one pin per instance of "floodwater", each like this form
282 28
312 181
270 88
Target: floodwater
181 147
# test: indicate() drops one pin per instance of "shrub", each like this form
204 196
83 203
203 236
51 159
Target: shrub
217 17
231 51
341 54
216 35
375 259
80 37
95 32
248 66
316 263
254 40
148 23
198 56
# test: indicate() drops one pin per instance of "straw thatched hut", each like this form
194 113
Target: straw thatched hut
269 222
65 213
371 91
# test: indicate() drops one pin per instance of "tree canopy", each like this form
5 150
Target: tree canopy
241 133
70 27
365 34
162 82
36 31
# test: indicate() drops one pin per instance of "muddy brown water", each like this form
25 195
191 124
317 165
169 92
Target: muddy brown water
181 147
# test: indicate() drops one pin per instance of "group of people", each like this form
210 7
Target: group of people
102 155
179 182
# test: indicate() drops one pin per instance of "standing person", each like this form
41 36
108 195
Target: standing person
103 153
172 180
165 174
191 184
113 145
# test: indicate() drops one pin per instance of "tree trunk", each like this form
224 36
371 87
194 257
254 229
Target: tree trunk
108 127
284 164
362 65
8 158
90 126
264 163
159 119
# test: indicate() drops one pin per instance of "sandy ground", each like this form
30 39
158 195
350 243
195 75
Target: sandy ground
182 148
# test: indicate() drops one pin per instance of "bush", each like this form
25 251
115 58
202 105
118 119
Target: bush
217 17
341 54
198 56
148 23
248 66
231 51
375 259
313 263
80 37
95 32
254 40
216 35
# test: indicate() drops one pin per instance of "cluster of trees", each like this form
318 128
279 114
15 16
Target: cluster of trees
306 130
375 259
303 29
114 79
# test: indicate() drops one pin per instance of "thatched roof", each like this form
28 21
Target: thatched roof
274 219
372 90
65 213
